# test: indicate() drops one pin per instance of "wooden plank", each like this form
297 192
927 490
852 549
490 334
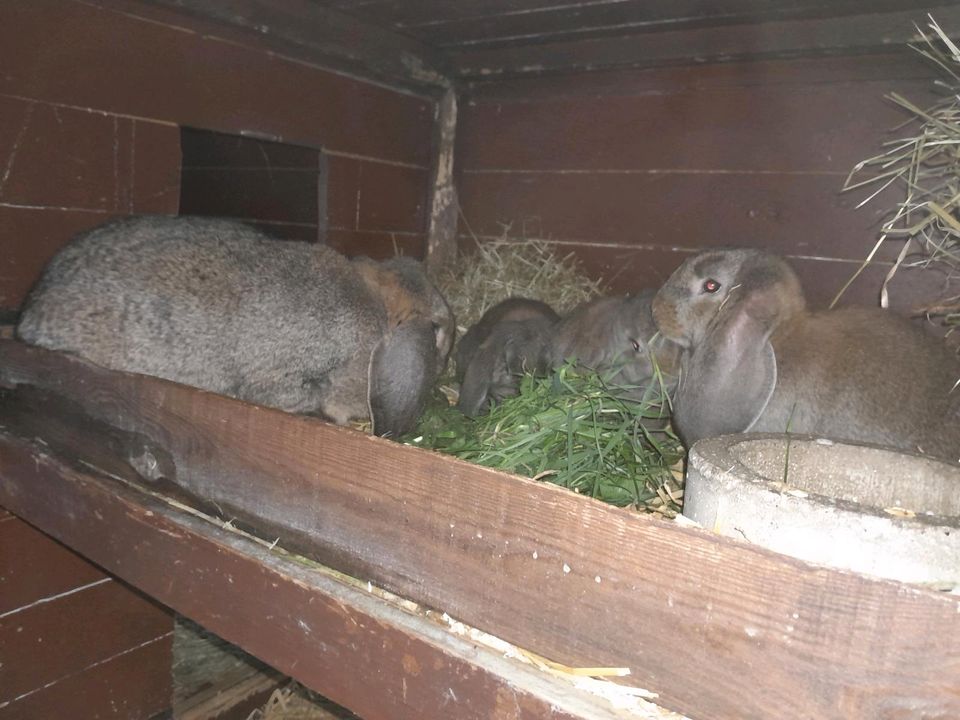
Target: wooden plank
72 159
377 245
444 205
857 33
63 635
565 21
59 157
392 198
32 236
563 575
343 192
377 197
793 214
329 37
134 685
820 127
891 66
382 661
198 83
35 567
440 20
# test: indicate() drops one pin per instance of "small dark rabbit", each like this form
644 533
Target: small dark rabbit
617 333
509 339
755 359
615 336
509 310
218 305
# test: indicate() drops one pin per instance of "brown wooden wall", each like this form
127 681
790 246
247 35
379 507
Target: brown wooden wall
91 96
636 169
73 641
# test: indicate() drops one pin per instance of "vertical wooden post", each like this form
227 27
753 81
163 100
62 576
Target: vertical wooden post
442 233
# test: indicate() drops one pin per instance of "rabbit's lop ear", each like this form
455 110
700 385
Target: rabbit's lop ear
479 375
728 379
403 365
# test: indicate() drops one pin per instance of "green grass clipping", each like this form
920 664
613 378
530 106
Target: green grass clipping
573 429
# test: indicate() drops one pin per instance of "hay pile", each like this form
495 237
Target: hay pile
502 268
571 428
924 161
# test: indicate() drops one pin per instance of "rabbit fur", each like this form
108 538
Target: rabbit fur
511 347
617 334
756 359
221 306
510 310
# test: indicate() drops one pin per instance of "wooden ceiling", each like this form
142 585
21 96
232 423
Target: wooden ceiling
430 44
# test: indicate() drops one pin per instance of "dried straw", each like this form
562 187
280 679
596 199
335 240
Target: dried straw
501 268
925 164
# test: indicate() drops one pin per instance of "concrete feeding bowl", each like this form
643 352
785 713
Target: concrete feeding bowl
880 512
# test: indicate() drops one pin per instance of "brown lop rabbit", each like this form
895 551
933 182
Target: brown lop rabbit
756 359
219 305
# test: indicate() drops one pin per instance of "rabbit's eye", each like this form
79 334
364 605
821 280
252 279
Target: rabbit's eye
636 345
710 285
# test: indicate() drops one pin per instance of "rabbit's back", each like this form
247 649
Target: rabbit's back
865 374
616 333
586 334
206 302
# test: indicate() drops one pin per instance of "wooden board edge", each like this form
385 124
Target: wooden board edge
306 623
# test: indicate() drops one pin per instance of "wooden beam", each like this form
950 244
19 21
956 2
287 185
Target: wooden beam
327 37
444 205
720 629
377 658
566 21
784 38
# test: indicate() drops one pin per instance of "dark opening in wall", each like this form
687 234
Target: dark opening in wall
280 188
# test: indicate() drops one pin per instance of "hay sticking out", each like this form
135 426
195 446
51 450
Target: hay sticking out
502 268
296 702
573 430
925 164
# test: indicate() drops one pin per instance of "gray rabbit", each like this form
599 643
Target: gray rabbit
756 359
219 305
510 339
510 310
618 335
615 336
